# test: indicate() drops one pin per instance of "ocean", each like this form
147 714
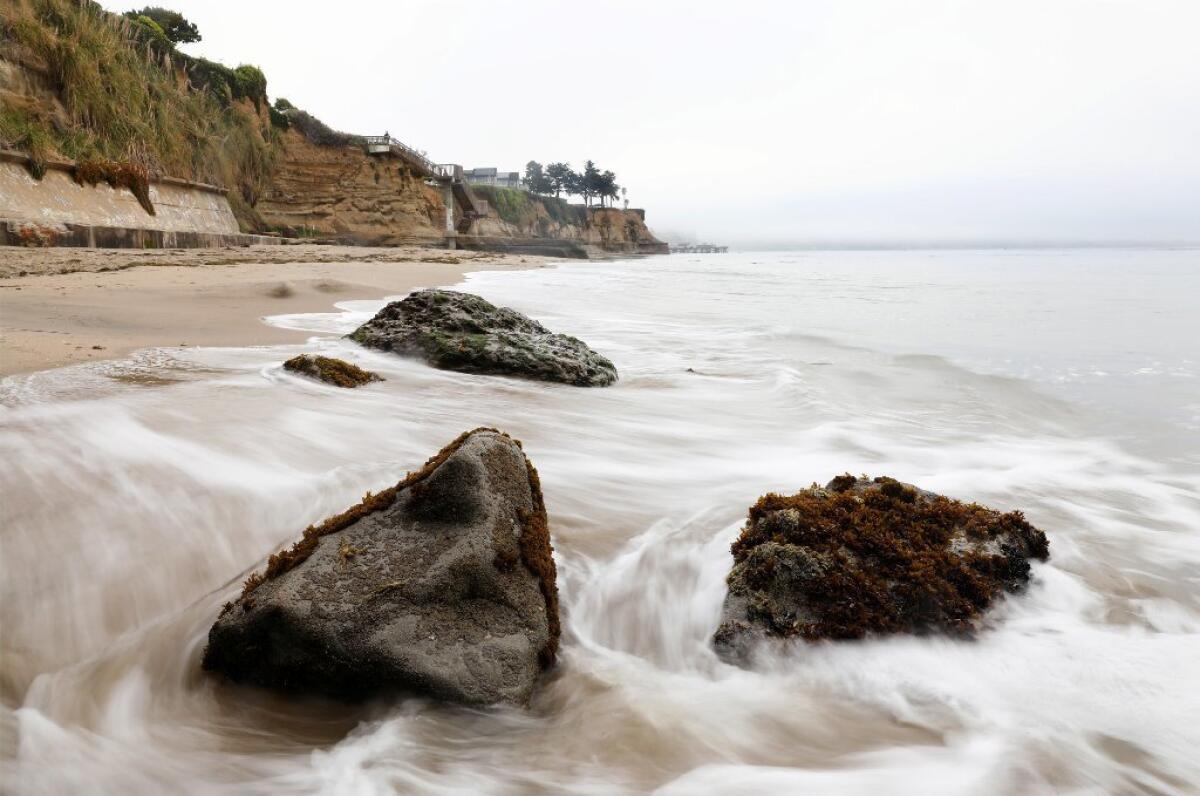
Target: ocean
138 494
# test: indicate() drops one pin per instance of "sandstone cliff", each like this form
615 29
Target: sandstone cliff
113 100
519 215
339 190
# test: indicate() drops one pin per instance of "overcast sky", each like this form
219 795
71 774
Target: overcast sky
775 122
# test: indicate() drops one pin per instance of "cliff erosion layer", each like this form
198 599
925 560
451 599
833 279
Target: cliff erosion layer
337 189
520 215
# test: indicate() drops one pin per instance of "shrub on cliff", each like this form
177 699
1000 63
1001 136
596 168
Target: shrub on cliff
173 26
317 131
517 207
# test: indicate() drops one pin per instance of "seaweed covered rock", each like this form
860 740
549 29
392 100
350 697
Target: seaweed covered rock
337 372
863 556
443 584
461 331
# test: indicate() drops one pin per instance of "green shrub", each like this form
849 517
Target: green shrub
279 119
517 206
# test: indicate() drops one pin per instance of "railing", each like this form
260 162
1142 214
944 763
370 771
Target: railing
436 171
375 141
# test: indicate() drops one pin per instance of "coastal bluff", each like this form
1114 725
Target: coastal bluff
114 137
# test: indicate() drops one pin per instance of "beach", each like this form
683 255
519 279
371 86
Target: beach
64 306
142 491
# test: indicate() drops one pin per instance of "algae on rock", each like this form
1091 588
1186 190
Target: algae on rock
861 557
461 331
333 371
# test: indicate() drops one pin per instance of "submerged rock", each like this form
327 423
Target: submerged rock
337 372
460 331
862 556
443 584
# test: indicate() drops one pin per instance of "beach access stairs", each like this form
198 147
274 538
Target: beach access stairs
447 176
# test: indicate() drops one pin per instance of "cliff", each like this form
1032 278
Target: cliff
517 214
336 189
115 102
78 83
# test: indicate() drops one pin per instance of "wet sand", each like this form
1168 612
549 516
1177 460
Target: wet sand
64 306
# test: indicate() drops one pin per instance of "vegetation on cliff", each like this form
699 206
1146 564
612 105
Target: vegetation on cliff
125 95
521 208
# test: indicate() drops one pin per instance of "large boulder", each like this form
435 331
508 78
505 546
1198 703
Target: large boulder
443 584
863 556
460 331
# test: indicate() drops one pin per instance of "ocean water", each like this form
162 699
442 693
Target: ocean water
136 495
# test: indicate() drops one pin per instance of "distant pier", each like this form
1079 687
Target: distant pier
698 248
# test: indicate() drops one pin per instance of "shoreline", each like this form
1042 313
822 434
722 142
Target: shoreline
62 307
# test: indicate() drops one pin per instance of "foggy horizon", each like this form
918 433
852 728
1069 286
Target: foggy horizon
817 124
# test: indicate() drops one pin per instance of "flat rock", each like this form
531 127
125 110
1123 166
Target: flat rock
337 372
865 557
463 332
442 585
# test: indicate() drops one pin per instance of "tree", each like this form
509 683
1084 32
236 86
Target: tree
561 177
589 182
172 24
536 180
606 187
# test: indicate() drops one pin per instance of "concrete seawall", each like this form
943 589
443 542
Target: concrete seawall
57 211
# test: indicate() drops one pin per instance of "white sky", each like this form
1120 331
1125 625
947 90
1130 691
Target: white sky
773 122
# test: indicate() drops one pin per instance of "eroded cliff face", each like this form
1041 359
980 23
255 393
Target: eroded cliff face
342 191
608 229
616 230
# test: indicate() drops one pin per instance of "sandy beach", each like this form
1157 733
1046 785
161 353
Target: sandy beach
63 306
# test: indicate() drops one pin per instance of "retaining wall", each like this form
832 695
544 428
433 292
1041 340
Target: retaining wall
62 212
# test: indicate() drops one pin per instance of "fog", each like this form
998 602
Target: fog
771 122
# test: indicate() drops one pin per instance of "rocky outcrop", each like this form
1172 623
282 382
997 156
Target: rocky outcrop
338 190
461 331
615 230
443 584
333 371
519 215
861 557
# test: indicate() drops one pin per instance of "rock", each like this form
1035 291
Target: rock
443 584
337 372
460 331
861 557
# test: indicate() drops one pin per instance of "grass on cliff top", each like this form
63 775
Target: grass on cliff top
131 98
519 207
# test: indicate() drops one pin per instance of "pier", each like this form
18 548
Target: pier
698 248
